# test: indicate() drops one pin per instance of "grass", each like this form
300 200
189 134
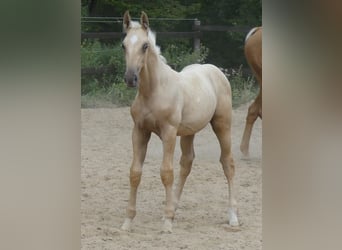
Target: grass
96 99
244 89
116 96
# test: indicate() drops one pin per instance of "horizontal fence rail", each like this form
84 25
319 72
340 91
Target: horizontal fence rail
195 34
224 28
189 34
115 35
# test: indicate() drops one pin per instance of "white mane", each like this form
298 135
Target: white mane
151 38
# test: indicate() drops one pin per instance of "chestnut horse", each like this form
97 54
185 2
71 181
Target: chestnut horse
171 104
253 53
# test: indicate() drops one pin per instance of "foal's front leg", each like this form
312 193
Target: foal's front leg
168 137
140 139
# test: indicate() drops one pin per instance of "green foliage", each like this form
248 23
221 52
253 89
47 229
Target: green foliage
180 56
231 12
156 8
84 10
97 55
121 94
110 87
96 98
118 94
224 49
243 88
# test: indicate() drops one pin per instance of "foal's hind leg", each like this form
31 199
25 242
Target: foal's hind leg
187 157
254 111
221 127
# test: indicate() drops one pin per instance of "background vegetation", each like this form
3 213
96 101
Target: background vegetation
223 49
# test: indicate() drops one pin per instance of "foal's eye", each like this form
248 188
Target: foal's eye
123 46
145 46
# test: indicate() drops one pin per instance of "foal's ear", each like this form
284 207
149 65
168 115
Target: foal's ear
144 20
126 20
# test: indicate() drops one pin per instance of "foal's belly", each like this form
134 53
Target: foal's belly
186 129
198 110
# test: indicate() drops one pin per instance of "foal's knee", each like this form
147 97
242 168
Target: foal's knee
135 176
166 174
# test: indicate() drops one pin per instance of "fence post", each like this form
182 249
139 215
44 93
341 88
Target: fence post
197 41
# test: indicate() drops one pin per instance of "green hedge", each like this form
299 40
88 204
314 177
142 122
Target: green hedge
104 89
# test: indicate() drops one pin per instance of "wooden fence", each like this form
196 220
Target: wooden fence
195 34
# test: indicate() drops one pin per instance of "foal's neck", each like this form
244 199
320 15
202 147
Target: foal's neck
151 76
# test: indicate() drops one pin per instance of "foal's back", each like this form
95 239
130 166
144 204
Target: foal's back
205 77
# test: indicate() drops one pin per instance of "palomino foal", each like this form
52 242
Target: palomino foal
253 53
171 104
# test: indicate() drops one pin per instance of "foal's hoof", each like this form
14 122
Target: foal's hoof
232 217
167 227
127 225
234 223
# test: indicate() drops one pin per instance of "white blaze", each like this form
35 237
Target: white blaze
134 39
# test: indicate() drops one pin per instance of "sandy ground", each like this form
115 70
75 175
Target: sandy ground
201 219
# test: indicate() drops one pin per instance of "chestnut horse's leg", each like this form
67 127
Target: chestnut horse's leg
188 155
221 127
254 111
140 139
168 137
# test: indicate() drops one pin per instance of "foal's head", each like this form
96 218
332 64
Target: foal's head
136 44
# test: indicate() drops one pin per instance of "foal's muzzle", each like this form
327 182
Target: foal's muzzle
131 78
